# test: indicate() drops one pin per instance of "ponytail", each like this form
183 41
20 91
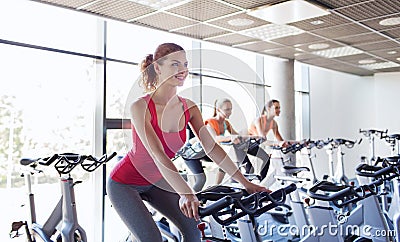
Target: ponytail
149 75
215 108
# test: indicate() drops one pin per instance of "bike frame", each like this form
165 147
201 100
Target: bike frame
64 214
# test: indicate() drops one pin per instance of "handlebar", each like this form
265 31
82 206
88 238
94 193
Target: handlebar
374 171
66 162
369 132
254 204
342 195
339 195
391 139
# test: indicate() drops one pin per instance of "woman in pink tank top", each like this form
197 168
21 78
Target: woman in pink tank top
265 123
159 121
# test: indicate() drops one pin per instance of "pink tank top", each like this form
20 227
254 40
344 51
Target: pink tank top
253 130
138 167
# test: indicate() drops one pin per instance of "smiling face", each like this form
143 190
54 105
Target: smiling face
275 109
225 110
172 70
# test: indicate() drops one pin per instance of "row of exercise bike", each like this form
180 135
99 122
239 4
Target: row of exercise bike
332 209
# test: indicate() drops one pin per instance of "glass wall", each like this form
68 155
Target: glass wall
46 105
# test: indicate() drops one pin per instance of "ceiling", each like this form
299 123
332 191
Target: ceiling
349 39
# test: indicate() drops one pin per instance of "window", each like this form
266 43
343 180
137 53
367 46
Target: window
47 99
55 28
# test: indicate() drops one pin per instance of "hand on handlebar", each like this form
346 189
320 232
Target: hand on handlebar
236 139
252 188
189 205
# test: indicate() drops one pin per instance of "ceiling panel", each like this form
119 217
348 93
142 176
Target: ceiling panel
231 39
361 39
326 21
390 53
387 44
297 39
354 59
118 9
203 10
287 53
250 4
330 4
374 23
237 22
259 46
164 21
351 69
68 3
200 31
371 9
309 47
393 33
340 31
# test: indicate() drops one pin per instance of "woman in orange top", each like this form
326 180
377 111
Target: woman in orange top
218 125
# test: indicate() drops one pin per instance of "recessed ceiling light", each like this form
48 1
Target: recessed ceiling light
392 52
317 22
398 59
338 52
319 46
366 61
381 65
272 31
238 22
157 4
288 12
390 21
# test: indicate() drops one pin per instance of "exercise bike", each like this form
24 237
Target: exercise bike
227 205
338 175
363 223
62 224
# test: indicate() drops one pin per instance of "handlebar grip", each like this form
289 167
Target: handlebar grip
49 160
216 206
91 163
111 156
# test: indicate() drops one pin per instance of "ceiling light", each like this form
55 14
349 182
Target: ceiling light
338 52
288 12
392 52
390 21
238 22
398 59
317 22
381 65
319 46
158 4
366 61
272 31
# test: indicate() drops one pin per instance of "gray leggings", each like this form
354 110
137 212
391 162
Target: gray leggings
127 200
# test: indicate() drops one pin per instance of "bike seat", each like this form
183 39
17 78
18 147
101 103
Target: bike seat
291 170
